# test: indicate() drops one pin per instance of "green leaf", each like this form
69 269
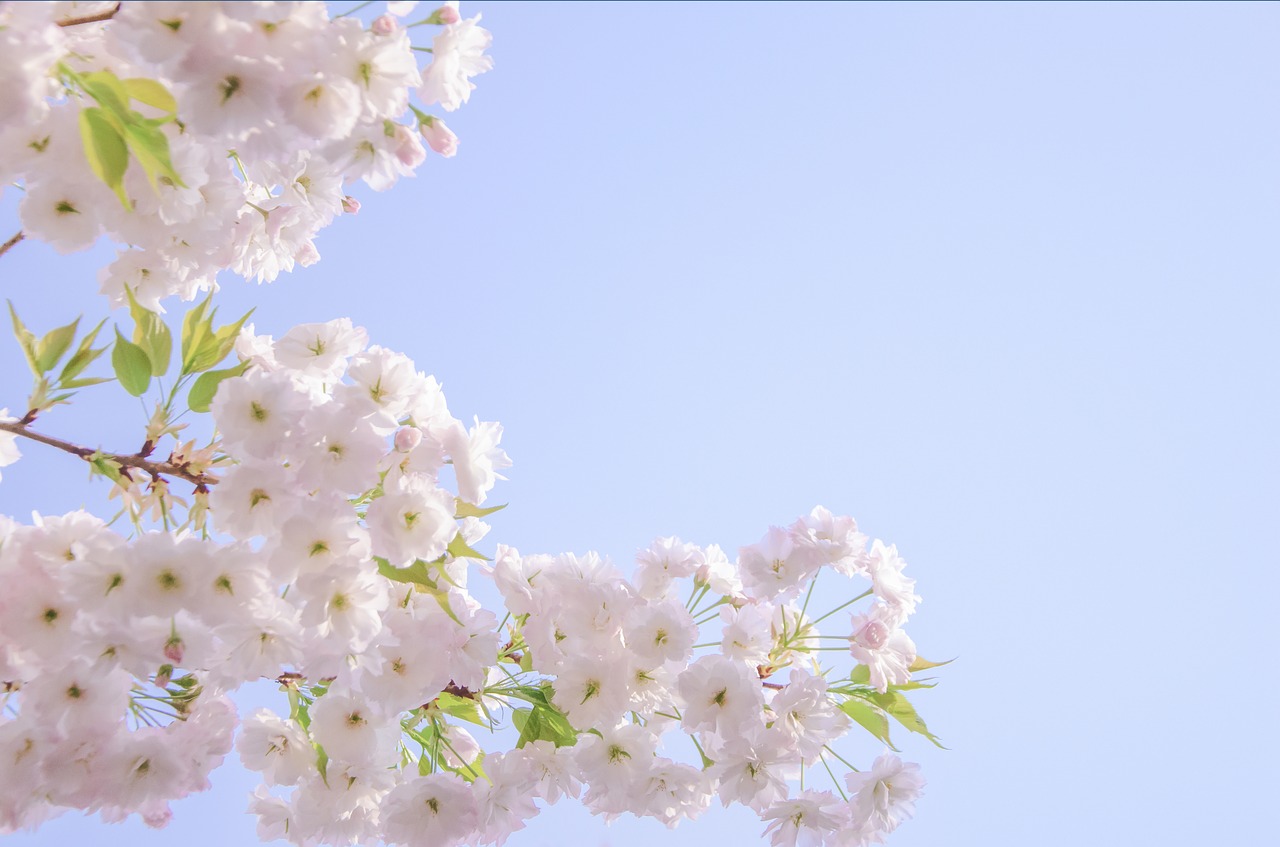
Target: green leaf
106 151
460 707
152 93
150 146
84 356
131 365
214 345
194 327
543 723
206 386
322 762
26 340
900 708
151 334
922 664
419 573
861 675
109 91
50 349
464 509
84 383
870 717
459 550
914 684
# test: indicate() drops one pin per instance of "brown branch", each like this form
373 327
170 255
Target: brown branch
91 19
156 469
18 236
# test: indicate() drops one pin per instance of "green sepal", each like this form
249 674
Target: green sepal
101 464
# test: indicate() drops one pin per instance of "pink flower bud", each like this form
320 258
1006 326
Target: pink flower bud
408 148
173 650
350 205
164 675
447 14
407 438
307 255
383 25
439 137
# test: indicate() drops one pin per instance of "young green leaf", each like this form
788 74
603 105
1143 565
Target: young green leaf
206 386
106 151
900 708
214 345
922 664
463 509
131 365
459 550
50 349
870 717
194 327
151 334
26 340
152 93
84 383
84 356
543 723
109 91
460 707
419 573
150 146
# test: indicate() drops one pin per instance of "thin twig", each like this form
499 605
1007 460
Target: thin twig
127 461
91 19
17 236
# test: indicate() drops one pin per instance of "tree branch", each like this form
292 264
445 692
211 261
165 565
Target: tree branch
91 19
137 460
18 236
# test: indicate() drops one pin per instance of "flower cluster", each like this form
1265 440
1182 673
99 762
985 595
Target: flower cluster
208 136
338 565
330 541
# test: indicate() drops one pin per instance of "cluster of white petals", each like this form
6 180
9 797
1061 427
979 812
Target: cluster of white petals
279 107
331 544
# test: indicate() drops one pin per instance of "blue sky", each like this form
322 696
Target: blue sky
998 280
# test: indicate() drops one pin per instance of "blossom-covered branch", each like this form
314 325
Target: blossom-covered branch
137 460
340 513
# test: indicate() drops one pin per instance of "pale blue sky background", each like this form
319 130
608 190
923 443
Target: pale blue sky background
998 280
